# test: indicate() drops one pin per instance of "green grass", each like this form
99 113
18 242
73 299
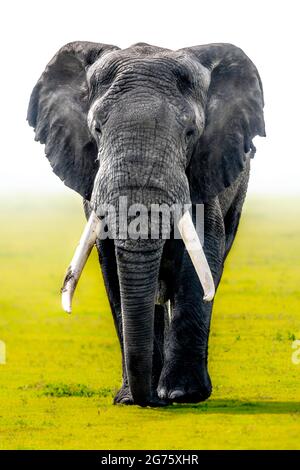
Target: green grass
62 370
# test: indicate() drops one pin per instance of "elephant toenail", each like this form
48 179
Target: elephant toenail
162 393
176 394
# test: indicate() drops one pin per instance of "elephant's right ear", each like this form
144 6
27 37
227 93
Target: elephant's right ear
58 113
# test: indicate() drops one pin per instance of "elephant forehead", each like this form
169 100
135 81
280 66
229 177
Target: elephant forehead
143 60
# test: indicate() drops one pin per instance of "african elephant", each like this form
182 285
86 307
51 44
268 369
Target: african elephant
165 127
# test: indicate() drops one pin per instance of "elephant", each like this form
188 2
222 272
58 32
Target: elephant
156 126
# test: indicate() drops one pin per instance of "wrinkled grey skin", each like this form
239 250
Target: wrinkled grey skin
168 127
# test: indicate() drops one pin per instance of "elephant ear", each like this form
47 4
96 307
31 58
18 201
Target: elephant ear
58 113
233 117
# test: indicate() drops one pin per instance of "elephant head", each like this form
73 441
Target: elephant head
156 126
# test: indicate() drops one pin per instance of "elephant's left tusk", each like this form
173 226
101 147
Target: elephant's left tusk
87 240
193 246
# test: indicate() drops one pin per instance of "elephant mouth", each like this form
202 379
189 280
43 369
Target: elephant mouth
94 229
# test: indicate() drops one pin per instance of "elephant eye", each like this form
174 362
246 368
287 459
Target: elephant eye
98 129
189 134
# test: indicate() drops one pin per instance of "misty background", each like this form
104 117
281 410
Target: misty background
268 32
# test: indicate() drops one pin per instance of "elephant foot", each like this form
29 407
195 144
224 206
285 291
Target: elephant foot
185 383
156 401
123 396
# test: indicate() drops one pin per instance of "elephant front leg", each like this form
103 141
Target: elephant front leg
185 377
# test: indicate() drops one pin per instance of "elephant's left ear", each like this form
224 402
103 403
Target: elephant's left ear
233 117
58 110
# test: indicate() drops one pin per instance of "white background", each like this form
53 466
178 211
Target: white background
268 31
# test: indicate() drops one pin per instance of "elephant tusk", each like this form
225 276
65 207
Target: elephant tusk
87 240
193 246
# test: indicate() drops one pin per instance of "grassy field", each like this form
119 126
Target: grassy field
61 373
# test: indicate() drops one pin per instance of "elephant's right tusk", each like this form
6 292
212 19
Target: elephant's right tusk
193 246
84 248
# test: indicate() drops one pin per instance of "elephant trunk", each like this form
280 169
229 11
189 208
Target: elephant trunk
138 270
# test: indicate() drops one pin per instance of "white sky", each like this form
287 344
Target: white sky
268 31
